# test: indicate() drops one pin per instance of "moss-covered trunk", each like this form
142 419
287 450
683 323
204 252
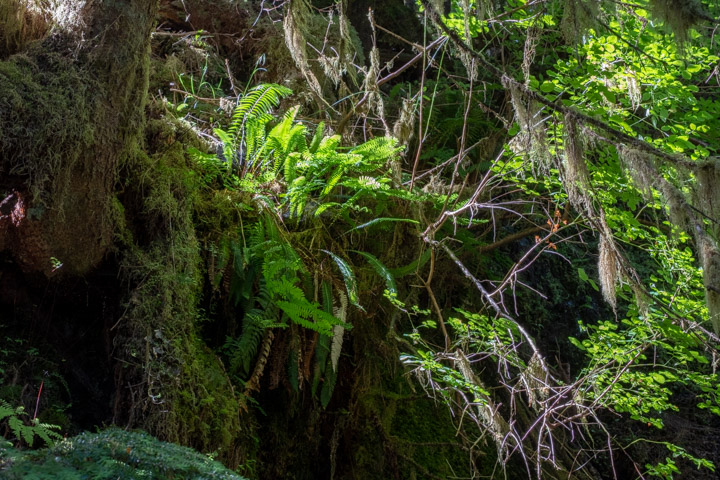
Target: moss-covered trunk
71 114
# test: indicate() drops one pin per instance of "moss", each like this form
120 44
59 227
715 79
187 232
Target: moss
20 24
679 15
63 165
38 138
181 392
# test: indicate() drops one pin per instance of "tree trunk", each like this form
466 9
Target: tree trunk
71 115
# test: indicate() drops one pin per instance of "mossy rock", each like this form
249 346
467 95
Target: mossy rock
111 454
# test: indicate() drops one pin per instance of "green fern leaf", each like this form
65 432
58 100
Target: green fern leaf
20 430
334 179
326 288
302 317
338 332
412 267
260 100
242 351
317 138
375 221
328 387
324 207
381 269
46 433
336 347
377 151
349 277
328 144
5 409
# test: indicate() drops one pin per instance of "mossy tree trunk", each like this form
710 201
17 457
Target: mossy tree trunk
71 115
80 179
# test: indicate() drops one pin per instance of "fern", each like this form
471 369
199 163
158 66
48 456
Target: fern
307 315
334 179
349 277
375 221
317 138
256 310
23 429
242 350
381 269
328 387
285 138
322 349
245 139
376 152
280 286
338 332
256 103
411 267
112 454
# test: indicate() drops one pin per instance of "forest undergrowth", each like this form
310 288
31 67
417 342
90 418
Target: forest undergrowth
477 242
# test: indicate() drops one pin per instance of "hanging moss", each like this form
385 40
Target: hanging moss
679 15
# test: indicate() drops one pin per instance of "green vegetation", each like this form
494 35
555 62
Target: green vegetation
111 454
483 243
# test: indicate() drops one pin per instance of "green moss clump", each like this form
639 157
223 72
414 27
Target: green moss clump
39 139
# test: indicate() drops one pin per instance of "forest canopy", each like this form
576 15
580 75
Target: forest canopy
359 239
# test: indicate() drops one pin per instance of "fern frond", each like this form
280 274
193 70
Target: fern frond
260 100
307 315
413 266
286 137
375 221
322 351
5 409
369 182
47 432
338 332
304 315
297 197
287 290
336 346
328 144
324 207
328 387
349 277
253 383
315 143
241 351
381 269
377 151
326 290
334 179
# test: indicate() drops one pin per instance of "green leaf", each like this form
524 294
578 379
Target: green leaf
412 266
349 277
375 221
381 269
547 87
583 276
